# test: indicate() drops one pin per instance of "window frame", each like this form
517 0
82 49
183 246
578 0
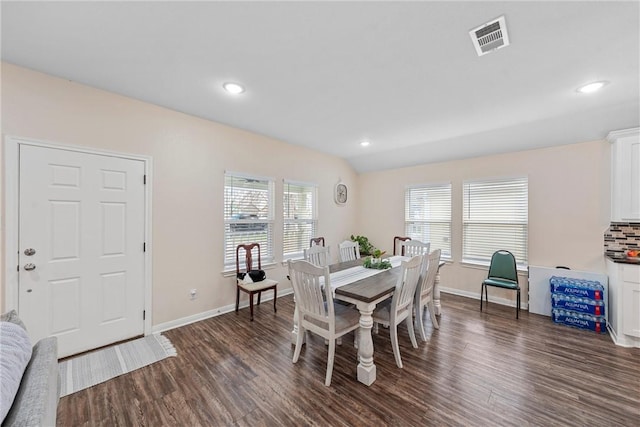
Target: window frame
287 221
447 250
521 248
267 250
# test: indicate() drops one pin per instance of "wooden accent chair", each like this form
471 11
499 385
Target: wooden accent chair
396 240
424 292
348 251
317 311
316 241
252 287
503 273
401 307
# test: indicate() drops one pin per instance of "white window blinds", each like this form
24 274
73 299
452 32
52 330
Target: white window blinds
300 218
428 215
495 217
248 215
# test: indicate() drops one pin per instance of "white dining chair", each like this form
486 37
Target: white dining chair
318 255
348 251
424 292
401 307
411 248
316 309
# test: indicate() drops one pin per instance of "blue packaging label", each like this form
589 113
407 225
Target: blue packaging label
590 289
579 320
582 305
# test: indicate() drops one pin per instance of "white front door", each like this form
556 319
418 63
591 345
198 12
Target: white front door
81 257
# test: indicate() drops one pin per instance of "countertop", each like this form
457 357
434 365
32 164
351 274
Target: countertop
621 258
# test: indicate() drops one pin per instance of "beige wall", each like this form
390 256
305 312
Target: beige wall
190 156
568 187
568 206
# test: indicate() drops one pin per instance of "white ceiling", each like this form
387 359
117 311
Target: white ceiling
327 75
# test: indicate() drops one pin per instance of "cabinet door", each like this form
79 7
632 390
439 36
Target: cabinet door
626 178
631 300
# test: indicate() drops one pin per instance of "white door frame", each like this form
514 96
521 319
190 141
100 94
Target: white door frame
11 216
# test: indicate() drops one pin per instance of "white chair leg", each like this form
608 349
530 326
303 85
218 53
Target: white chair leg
432 312
299 340
332 350
394 343
412 333
423 333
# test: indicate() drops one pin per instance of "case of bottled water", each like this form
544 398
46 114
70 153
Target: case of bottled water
579 320
582 305
577 287
579 303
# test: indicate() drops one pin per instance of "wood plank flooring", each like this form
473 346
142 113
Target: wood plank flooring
480 369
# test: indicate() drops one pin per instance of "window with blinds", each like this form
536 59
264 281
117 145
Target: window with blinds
248 215
427 215
495 217
300 218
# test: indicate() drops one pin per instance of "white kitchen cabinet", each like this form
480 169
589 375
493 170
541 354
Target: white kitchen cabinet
625 175
624 303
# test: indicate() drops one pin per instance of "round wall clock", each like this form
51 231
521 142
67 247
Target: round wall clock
341 193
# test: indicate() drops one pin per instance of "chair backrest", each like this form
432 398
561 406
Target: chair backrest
402 301
348 251
248 251
317 255
414 247
397 244
311 289
503 266
316 241
428 276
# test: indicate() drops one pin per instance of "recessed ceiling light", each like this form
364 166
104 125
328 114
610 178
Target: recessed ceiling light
365 143
592 87
233 88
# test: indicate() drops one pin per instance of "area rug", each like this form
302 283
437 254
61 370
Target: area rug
101 365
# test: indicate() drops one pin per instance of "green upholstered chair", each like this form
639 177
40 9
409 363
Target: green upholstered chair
502 274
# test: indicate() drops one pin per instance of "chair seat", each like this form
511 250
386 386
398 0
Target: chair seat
257 286
382 314
501 283
346 317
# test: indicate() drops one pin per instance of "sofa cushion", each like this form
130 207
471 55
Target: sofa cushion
36 403
15 353
12 316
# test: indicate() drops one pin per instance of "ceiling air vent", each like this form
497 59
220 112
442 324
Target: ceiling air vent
490 36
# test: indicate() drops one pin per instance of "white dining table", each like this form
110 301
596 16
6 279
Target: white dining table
365 288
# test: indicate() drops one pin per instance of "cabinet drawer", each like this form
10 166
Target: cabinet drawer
631 273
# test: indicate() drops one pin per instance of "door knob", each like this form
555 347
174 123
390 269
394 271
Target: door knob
29 267
29 252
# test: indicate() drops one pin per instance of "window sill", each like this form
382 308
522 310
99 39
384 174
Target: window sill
479 265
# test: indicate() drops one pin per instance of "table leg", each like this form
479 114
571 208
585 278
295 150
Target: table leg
366 367
436 294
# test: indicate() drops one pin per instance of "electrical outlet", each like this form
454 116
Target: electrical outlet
193 293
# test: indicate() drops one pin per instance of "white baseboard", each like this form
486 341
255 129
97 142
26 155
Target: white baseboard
162 327
476 295
229 308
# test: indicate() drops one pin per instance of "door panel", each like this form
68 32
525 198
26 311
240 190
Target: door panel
84 216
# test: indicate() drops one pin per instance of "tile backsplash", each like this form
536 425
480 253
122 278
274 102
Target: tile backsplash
621 236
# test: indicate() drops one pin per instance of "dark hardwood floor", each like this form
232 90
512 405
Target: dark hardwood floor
479 369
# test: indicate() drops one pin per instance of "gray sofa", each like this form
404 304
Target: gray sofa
36 402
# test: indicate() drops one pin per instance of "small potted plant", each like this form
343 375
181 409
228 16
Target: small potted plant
366 248
376 261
